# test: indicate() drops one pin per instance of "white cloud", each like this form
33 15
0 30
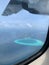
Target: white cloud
29 25
23 18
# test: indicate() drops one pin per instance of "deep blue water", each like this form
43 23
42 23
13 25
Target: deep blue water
11 52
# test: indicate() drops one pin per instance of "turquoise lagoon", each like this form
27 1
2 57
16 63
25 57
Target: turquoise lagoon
29 42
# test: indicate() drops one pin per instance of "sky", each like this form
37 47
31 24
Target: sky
22 19
3 5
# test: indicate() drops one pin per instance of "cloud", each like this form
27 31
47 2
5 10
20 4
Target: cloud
24 19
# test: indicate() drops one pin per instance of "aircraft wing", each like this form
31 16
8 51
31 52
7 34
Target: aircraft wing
12 8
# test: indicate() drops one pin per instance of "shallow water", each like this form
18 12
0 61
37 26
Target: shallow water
29 41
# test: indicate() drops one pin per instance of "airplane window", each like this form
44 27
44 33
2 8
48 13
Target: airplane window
22 34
